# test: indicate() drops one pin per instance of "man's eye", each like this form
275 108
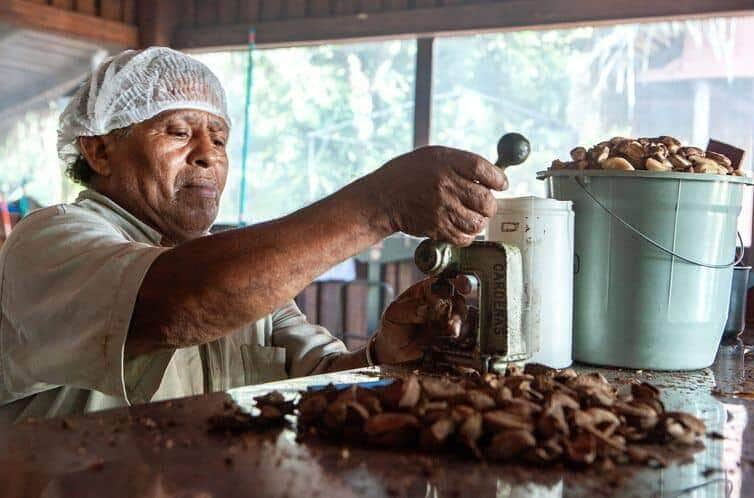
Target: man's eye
220 143
179 133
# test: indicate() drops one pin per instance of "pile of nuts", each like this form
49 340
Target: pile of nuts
651 154
536 415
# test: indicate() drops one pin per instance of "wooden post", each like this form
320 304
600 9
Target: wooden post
423 91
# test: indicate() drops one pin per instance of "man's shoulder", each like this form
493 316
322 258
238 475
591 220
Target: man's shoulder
60 218
50 227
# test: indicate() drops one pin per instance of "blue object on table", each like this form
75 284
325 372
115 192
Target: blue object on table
365 385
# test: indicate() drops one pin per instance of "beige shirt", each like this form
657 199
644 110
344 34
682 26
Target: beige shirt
69 278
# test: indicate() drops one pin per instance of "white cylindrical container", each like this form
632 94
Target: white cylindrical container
543 230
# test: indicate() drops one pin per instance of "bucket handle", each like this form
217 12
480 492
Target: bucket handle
635 230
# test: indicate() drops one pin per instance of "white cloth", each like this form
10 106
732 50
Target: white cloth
69 278
135 86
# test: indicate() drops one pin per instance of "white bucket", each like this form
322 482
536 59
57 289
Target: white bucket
543 230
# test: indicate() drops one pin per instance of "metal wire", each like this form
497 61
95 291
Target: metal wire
736 259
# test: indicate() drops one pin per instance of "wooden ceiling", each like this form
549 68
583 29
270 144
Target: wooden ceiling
47 45
107 22
36 67
45 49
202 24
225 23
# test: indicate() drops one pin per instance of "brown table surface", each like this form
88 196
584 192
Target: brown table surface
164 450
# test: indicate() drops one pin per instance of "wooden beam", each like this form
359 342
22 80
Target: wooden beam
319 8
205 13
271 10
249 11
343 7
423 91
395 4
371 6
157 21
422 22
295 9
228 11
129 11
63 4
111 9
88 7
32 15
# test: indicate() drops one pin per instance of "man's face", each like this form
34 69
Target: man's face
170 171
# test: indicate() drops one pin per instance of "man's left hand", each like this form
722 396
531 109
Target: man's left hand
410 321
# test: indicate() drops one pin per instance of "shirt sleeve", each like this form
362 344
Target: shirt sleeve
306 345
69 284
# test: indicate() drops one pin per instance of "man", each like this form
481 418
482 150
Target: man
123 297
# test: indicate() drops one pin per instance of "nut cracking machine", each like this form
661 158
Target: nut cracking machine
496 339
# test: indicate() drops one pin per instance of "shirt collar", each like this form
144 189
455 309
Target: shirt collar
135 228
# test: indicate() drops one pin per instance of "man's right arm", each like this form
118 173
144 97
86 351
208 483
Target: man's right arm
206 288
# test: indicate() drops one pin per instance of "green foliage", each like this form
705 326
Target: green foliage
320 117
30 161
323 116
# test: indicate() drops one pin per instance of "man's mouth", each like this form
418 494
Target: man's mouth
201 188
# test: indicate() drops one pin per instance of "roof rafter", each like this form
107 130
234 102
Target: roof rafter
30 15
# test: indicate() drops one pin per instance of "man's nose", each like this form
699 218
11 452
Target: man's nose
203 154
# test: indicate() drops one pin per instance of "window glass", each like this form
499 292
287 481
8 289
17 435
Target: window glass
28 146
567 87
320 117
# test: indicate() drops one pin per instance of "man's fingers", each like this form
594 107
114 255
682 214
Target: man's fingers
416 291
466 221
478 169
475 197
407 311
459 306
462 284
454 236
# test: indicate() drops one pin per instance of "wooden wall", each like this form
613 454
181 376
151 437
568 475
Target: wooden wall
343 307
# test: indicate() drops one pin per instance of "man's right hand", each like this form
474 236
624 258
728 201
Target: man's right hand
438 192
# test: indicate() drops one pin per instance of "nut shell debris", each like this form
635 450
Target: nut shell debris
537 416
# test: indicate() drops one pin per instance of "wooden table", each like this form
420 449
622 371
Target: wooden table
165 450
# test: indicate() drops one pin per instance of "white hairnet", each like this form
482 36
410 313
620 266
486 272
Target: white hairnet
134 86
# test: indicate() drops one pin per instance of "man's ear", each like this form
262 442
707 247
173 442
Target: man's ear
94 150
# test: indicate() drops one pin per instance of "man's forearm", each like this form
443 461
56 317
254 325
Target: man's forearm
208 287
347 361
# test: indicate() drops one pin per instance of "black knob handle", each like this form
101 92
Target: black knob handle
512 149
